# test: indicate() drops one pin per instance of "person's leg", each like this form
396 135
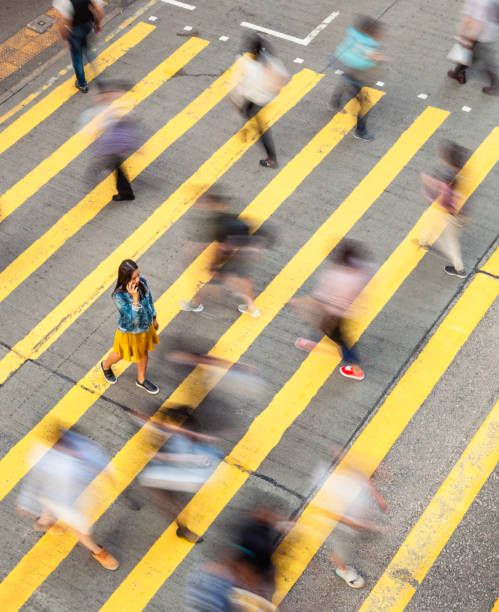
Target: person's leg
349 351
250 110
242 287
99 553
123 186
338 93
86 44
485 54
75 47
112 358
362 97
141 368
449 245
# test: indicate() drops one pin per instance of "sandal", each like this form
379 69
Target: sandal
305 345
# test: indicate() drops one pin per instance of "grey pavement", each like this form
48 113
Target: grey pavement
420 37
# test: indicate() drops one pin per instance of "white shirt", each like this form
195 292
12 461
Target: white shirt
65 7
480 11
258 79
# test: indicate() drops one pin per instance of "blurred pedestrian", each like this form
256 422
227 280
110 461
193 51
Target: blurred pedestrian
444 222
255 540
235 249
348 503
477 33
224 585
330 308
116 134
357 53
137 326
52 492
183 464
261 77
76 20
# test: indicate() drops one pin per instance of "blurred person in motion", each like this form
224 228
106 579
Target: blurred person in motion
255 541
52 492
357 53
443 187
348 503
477 33
137 325
330 308
185 461
239 379
260 78
232 257
117 135
76 19
224 586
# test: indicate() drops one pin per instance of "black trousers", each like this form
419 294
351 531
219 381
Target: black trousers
123 186
351 86
483 53
249 110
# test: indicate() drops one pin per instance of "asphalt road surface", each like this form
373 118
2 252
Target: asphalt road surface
429 341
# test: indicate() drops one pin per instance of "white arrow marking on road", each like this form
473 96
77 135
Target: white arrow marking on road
299 41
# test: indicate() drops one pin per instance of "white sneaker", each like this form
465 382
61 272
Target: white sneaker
243 308
351 577
191 307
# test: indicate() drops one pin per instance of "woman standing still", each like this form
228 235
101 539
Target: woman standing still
137 326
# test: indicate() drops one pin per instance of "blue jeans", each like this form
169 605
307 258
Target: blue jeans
78 43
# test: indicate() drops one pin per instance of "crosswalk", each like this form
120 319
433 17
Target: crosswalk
269 427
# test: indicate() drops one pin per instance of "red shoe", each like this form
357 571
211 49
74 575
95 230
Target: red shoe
305 345
349 372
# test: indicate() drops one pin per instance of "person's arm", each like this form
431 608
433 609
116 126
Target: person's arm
130 312
96 8
63 24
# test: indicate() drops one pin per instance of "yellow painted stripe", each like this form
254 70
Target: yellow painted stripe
56 98
438 522
496 607
31 182
19 106
267 429
72 221
13 465
68 310
265 432
242 335
297 549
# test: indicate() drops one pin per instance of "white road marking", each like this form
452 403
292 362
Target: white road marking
188 28
153 18
298 60
299 41
423 96
466 109
380 83
340 72
184 5
223 38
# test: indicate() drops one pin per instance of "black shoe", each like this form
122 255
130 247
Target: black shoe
108 374
451 271
82 88
120 197
363 135
148 386
268 163
187 534
459 76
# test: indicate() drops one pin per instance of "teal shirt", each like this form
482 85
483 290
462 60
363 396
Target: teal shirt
354 49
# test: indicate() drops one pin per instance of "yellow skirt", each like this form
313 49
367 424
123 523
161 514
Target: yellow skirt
132 347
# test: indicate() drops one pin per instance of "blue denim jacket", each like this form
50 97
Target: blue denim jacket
134 319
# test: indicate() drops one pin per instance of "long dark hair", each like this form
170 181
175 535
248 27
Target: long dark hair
125 271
